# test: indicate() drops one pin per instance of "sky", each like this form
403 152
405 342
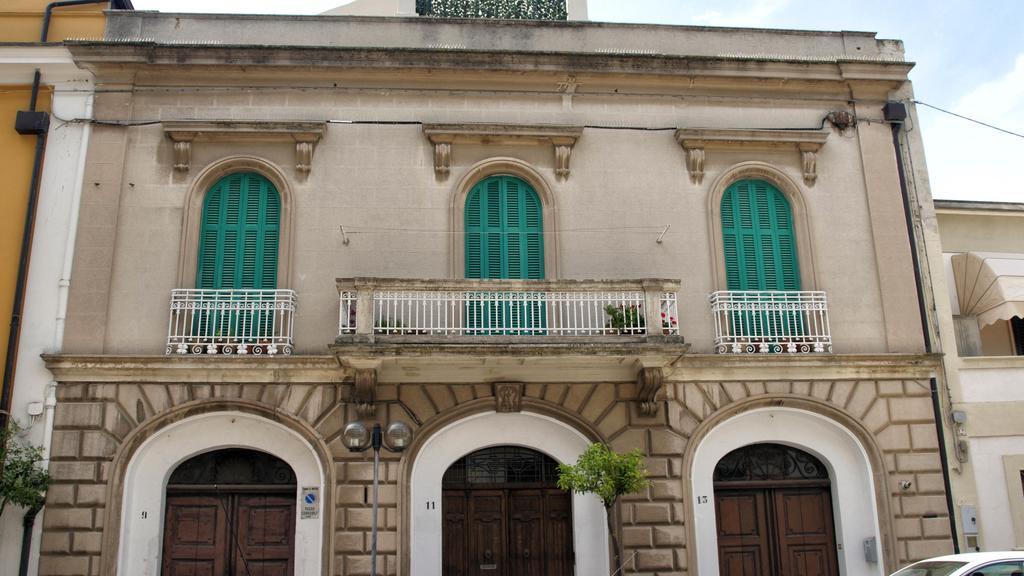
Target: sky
969 57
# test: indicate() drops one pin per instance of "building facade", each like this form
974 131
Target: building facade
983 253
517 238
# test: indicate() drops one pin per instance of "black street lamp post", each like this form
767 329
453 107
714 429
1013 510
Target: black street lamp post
358 439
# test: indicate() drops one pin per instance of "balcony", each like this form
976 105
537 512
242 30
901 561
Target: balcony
509 310
771 322
257 322
481 330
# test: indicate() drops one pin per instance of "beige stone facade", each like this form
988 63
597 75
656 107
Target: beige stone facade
107 409
373 131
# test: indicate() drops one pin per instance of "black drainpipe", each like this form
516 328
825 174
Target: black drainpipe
35 123
895 113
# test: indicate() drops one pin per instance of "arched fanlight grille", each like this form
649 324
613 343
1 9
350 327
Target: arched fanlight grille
233 466
502 465
769 462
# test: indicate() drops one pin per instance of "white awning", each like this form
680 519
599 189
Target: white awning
989 285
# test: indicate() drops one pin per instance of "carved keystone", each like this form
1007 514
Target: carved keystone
508 396
650 390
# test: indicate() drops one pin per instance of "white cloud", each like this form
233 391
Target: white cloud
971 162
756 14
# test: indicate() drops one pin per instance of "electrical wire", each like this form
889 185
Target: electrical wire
962 117
637 229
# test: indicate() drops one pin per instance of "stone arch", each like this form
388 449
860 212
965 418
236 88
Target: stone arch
755 170
838 440
150 453
478 426
503 166
193 210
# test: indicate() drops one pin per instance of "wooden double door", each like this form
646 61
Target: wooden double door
507 532
235 533
775 531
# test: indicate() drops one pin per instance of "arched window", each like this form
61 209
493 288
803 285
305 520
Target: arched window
240 234
758 239
504 227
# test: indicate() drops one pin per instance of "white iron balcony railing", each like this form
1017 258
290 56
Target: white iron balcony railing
231 322
558 308
771 321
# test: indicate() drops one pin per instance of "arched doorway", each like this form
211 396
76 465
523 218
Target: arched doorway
773 509
441 448
230 511
504 516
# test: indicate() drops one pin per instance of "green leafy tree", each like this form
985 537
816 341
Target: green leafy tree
23 481
608 474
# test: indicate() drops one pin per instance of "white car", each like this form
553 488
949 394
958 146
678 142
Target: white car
974 564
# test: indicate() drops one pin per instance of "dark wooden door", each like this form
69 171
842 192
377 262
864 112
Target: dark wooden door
558 554
744 542
805 532
487 525
265 529
507 532
195 536
526 532
775 531
229 534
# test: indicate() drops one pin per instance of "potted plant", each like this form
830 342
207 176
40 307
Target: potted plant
627 319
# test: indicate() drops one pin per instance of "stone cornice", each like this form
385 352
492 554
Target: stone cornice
304 135
805 367
443 136
567 362
806 142
70 368
137 54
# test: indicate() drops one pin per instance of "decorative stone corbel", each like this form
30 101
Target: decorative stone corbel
364 395
809 162
650 390
442 158
183 150
508 396
695 161
303 157
563 151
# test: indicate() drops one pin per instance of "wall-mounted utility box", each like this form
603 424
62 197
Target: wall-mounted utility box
871 550
31 122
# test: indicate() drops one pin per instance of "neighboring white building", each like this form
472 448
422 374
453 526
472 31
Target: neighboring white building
983 255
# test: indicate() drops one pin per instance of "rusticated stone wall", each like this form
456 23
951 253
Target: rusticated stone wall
93 421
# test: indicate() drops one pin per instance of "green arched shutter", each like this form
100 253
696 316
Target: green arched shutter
504 230
504 224
239 234
758 239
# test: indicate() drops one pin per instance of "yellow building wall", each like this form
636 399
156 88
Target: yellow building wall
16 166
22 21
